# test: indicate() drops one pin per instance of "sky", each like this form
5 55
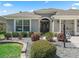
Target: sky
10 7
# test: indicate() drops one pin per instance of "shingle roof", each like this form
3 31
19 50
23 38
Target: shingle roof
1 17
23 15
68 12
58 11
47 11
36 14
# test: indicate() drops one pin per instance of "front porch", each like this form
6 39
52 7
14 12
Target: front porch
71 26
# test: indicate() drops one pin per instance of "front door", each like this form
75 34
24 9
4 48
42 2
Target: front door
44 25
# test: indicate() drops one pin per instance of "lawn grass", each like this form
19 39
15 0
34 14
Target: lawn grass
10 50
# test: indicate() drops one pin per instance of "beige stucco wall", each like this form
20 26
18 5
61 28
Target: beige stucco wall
56 25
10 25
35 25
67 17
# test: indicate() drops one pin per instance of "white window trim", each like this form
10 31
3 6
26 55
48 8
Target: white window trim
22 24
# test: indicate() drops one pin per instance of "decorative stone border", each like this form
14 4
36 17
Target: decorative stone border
24 48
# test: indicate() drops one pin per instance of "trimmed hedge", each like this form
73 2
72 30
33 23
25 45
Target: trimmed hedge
24 34
15 34
42 49
8 34
1 32
49 36
2 36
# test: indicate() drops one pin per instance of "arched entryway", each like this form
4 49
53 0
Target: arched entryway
44 25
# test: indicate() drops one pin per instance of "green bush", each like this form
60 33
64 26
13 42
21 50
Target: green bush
2 32
14 34
30 33
20 36
49 36
54 34
8 34
24 34
2 36
42 49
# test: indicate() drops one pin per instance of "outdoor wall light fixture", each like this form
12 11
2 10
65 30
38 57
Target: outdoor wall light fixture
52 19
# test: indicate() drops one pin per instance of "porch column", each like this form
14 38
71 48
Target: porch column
59 25
39 25
75 27
30 25
14 25
53 26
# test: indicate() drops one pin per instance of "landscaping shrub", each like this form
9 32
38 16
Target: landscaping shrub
49 36
35 36
2 32
24 34
2 36
60 36
14 34
42 49
20 36
8 35
55 34
30 33
42 33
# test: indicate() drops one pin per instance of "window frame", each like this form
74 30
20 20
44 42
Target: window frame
22 25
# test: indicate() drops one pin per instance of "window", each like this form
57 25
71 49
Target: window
22 25
18 25
19 22
26 25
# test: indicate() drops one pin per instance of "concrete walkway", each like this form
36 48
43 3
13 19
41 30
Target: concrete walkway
75 40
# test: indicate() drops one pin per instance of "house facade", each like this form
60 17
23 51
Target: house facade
42 20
